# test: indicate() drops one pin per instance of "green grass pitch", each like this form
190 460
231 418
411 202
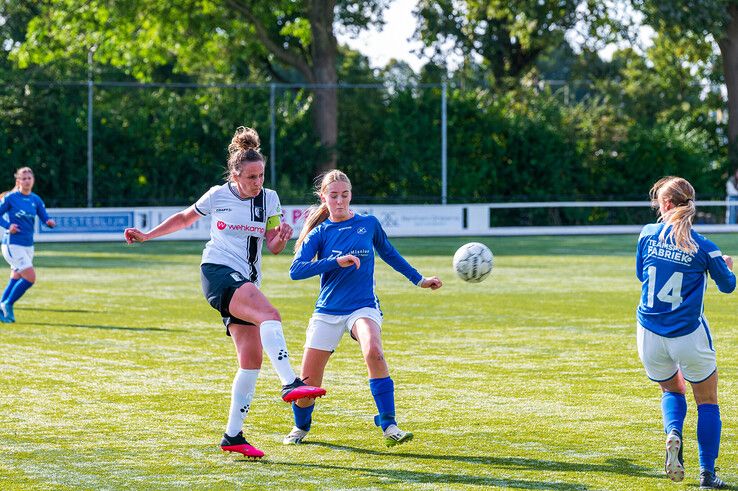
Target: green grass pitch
117 376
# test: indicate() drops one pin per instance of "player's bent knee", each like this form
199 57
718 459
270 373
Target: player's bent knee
374 353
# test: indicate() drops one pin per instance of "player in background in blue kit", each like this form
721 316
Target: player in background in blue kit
21 206
343 245
674 341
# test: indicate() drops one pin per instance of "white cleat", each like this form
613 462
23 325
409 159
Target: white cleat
395 436
674 466
295 437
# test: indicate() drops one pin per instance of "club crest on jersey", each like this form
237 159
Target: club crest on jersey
237 276
258 213
361 230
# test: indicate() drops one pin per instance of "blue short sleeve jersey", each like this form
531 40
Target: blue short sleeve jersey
22 210
674 282
345 290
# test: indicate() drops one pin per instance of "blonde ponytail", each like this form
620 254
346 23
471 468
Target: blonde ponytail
319 214
316 216
16 175
678 220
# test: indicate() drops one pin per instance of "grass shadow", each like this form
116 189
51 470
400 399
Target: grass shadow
66 311
93 326
615 466
439 478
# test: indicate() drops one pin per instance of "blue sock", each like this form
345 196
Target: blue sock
303 416
674 410
9 288
18 290
708 435
383 390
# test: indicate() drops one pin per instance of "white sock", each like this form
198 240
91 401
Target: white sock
242 392
272 341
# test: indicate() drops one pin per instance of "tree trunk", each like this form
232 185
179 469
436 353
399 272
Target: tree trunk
325 54
729 51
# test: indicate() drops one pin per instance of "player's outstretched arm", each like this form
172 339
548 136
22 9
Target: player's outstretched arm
174 223
434 283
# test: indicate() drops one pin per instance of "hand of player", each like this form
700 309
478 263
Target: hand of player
434 283
285 232
728 261
349 260
50 223
14 228
134 235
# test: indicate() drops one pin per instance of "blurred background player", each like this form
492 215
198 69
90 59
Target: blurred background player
21 205
731 190
343 245
243 214
674 341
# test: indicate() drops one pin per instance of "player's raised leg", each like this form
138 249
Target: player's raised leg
250 304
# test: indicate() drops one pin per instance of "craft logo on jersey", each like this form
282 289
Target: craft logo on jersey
259 213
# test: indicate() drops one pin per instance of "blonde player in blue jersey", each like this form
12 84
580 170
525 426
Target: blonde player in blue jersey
674 341
339 245
21 205
243 214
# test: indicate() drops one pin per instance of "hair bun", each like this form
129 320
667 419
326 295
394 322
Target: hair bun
244 139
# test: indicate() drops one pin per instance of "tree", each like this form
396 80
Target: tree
283 41
507 36
700 22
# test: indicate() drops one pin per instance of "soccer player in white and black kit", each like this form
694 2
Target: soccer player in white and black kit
339 245
243 214
674 341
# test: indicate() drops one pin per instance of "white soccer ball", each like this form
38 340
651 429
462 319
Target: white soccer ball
473 262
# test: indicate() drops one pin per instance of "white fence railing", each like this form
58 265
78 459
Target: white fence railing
107 224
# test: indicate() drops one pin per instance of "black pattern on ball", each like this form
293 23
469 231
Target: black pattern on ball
473 262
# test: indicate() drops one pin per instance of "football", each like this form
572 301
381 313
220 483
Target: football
473 262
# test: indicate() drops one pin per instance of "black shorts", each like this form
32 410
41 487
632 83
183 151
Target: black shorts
219 283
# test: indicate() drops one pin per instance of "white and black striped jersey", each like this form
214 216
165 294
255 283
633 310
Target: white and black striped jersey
238 227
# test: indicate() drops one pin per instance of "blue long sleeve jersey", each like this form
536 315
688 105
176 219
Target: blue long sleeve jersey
344 290
21 210
674 282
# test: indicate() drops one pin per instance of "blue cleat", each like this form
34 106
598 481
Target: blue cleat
708 480
6 312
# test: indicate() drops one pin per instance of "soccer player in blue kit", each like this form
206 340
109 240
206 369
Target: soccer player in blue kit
343 245
243 214
673 336
21 206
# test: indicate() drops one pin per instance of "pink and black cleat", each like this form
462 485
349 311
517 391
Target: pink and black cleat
300 390
239 444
